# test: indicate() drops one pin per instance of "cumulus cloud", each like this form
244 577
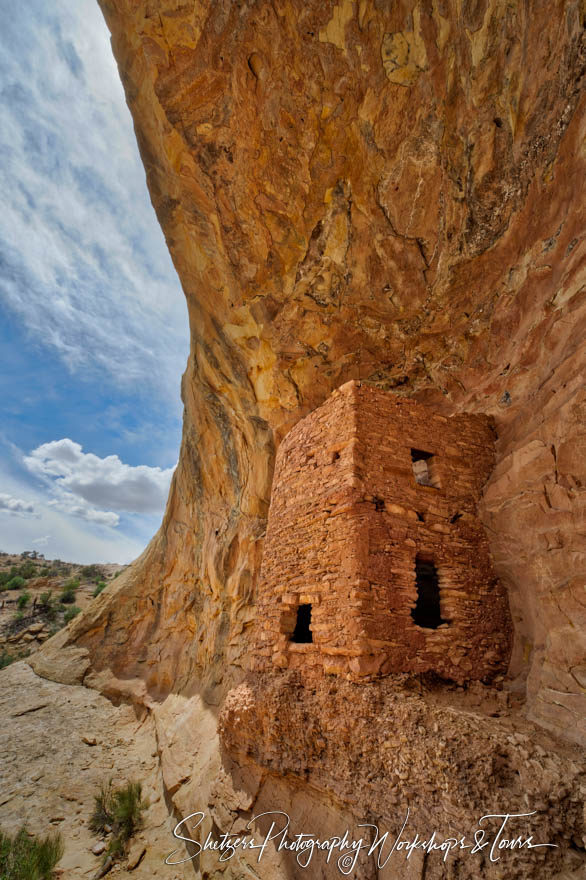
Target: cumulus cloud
87 282
93 280
62 536
16 506
67 504
97 489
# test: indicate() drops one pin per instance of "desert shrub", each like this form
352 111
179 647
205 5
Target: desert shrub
89 572
24 571
67 597
16 583
24 857
121 810
23 600
102 812
44 571
27 570
128 809
47 606
99 587
71 613
6 659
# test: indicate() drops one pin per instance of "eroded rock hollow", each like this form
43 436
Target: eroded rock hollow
391 193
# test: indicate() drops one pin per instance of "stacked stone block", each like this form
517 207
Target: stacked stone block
347 521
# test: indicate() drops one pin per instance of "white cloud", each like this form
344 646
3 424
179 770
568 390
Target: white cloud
42 541
95 281
16 506
85 271
67 504
93 488
68 537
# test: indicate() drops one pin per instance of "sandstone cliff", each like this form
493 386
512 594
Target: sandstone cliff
384 192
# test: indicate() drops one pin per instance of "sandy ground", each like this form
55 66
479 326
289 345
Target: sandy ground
59 744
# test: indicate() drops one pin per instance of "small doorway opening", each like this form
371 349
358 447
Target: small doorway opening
427 609
302 634
423 464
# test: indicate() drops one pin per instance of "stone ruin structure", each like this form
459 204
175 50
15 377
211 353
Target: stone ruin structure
375 561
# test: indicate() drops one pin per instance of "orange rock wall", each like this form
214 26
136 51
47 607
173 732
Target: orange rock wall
339 207
392 193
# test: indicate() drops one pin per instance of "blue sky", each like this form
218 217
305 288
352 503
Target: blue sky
93 323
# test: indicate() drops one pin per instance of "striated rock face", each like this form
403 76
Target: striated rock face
373 191
359 190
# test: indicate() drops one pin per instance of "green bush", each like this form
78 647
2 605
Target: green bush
121 809
47 606
28 570
16 583
24 857
67 597
101 585
6 659
69 615
23 600
102 812
89 572
25 571
128 809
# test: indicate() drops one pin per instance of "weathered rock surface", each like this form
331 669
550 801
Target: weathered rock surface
360 191
385 192
368 748
49 774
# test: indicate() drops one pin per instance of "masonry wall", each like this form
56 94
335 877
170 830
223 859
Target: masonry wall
311 551
346 523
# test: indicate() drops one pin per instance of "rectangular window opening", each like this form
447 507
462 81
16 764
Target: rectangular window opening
427 611
302 634
424 469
